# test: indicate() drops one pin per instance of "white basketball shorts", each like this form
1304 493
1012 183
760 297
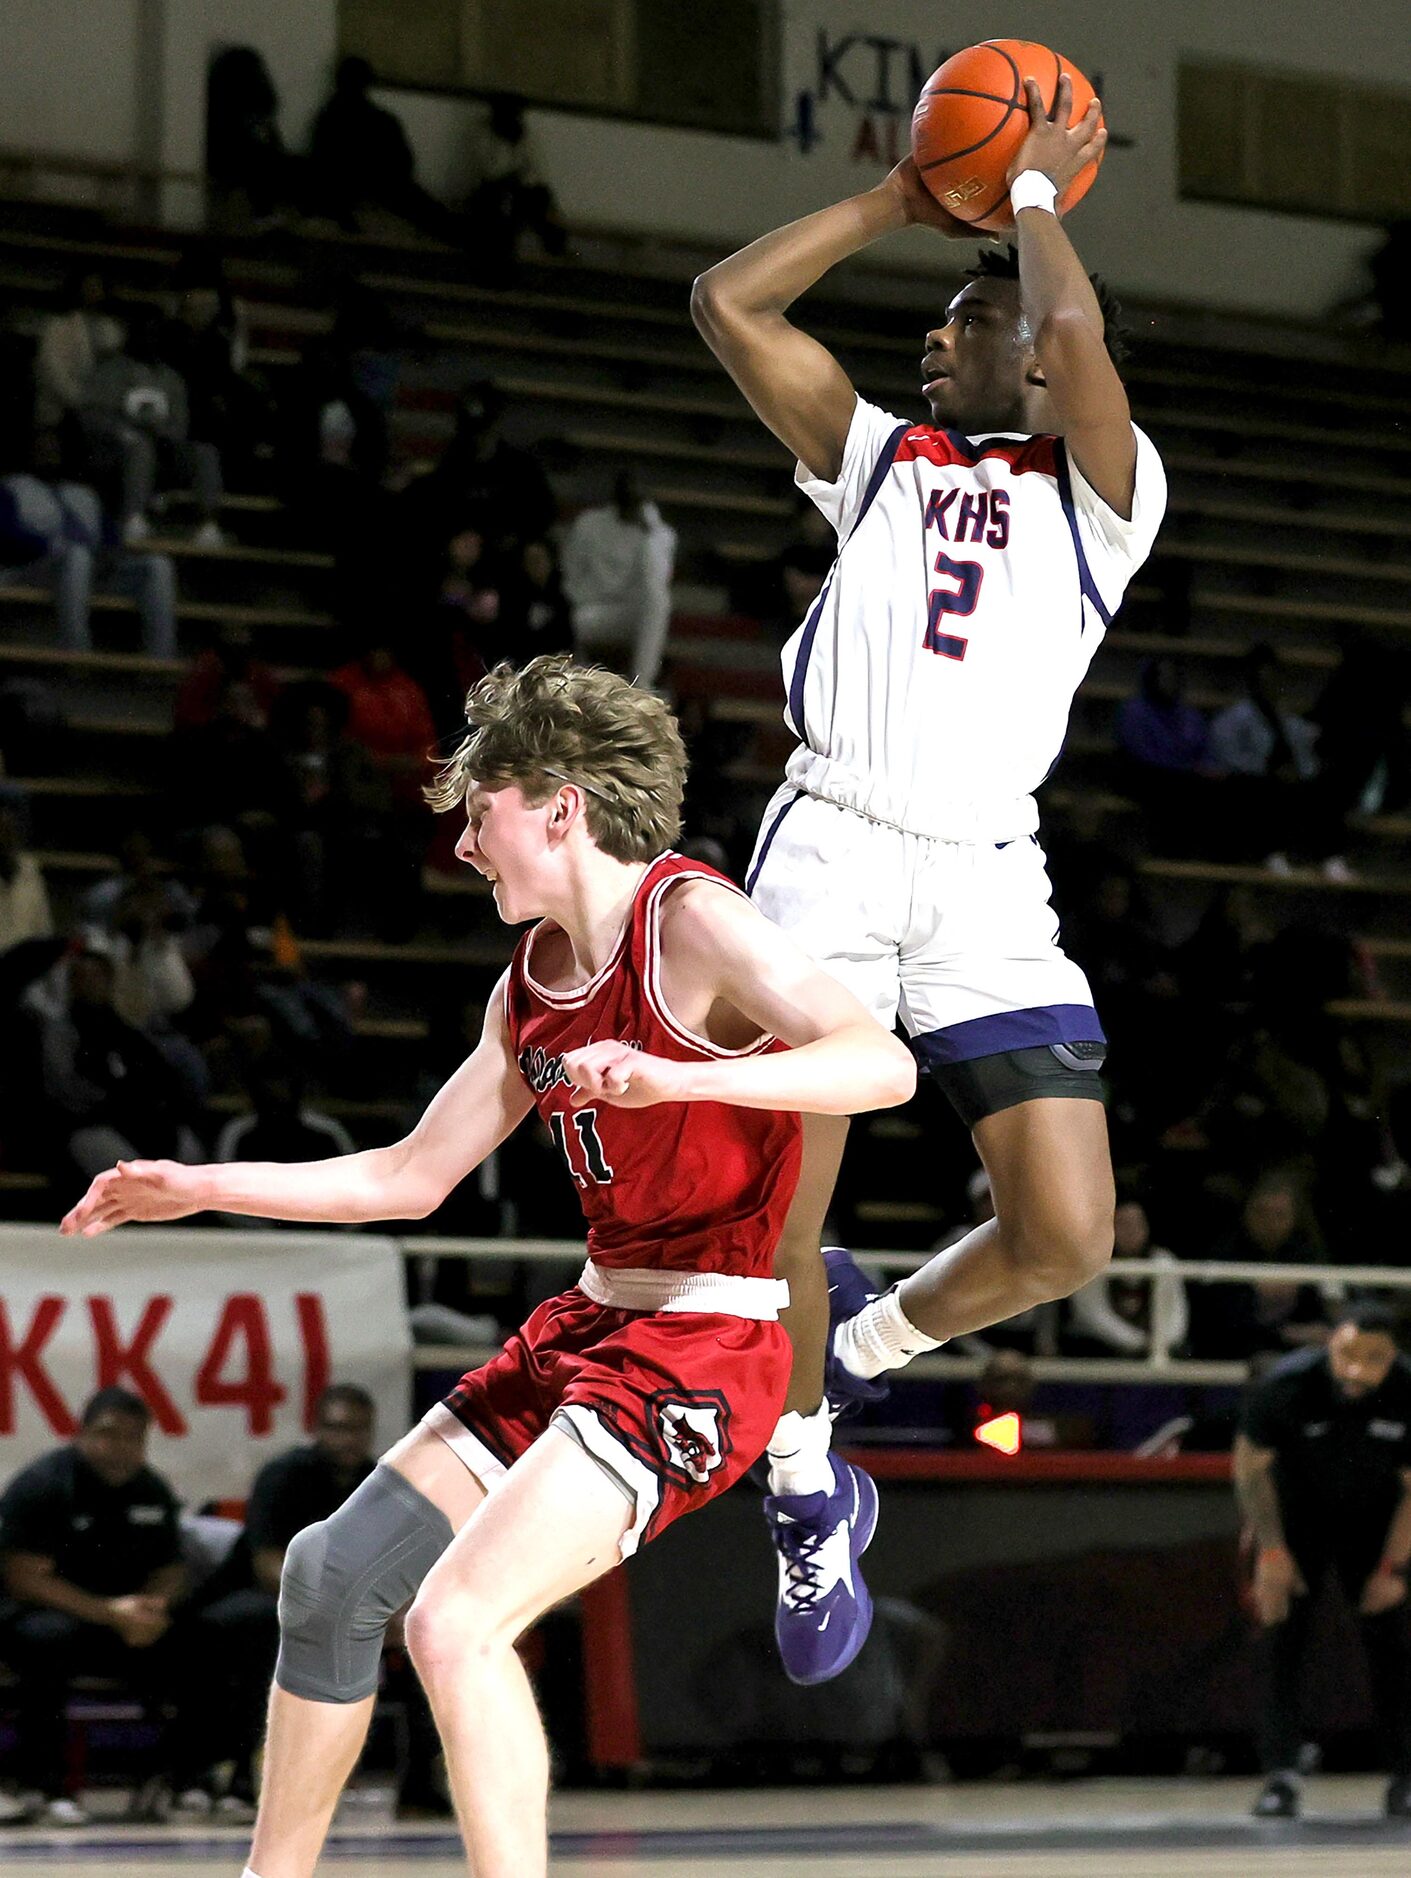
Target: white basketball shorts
957 939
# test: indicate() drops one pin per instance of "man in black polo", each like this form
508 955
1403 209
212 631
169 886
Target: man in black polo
1323 1473
308 1483
90 1566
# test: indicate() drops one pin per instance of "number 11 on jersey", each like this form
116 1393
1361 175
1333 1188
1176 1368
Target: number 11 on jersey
585 1126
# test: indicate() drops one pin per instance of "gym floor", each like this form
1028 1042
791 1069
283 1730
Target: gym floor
1082 1829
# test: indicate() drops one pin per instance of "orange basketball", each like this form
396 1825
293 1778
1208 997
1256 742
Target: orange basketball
971 118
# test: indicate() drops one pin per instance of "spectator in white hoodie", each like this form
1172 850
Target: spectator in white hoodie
618 561
1129 1316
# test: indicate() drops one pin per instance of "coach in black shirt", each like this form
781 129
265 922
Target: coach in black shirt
90 1562
1323 1472
308 1483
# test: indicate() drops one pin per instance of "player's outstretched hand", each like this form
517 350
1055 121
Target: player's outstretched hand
622 1077
133 1190
921 206
1051 146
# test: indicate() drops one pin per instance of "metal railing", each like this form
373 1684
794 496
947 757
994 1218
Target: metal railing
942 1365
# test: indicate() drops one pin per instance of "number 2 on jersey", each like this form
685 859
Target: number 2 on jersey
960 601
585 1126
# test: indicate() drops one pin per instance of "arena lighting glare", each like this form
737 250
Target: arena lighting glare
1004 1433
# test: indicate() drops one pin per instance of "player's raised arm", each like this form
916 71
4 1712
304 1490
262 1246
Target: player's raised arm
467 1119
1062 309
796 385
840 1062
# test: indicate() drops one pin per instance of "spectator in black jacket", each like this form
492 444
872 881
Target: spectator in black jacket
360 158
90 1562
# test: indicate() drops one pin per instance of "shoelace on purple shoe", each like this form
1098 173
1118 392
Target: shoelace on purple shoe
802 1589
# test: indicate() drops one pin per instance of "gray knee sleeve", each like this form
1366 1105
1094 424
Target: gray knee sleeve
345 1577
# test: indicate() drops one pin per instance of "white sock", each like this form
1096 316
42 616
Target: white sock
798 1453
880 1337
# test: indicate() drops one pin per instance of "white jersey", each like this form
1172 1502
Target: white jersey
931 683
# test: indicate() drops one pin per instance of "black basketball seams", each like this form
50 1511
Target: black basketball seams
960 91
953 156
993 45
1058 73
988 210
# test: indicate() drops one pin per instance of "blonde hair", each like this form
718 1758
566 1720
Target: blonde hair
554 722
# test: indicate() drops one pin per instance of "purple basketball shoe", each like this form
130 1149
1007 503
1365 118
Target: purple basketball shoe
848 1290
825 1610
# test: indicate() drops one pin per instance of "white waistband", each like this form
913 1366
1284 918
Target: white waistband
648 1289
959 823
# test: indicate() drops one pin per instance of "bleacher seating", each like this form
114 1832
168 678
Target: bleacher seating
1278 537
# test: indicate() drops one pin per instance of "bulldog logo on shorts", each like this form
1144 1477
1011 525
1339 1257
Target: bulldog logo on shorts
692 1434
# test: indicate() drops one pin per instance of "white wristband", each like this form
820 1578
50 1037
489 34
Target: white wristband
1031 189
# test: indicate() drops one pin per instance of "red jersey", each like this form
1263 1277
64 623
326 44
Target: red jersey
682 1186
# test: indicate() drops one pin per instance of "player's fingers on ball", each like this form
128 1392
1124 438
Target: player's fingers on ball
1063 99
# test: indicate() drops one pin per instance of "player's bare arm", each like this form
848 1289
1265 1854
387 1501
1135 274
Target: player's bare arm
1062 310
482 1103
729 962
795 384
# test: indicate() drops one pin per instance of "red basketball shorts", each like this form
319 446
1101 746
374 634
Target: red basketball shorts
675 1405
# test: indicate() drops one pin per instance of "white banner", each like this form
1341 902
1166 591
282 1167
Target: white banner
229 1337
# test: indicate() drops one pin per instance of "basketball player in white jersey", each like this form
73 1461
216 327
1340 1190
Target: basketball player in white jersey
980 558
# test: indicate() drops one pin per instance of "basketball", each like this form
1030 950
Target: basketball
971 119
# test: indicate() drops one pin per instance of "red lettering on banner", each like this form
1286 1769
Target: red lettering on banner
119 1362
258 1392
313 1329
21 1360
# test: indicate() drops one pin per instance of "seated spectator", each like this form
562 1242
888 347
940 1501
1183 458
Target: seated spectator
335 813
282 1126
228 771
207 344
482 481
781 593
52 534
249 973
135 416
618 561
1264 751
1231 1321
1162 741
229 659
90 1560
511 196
1258 735
1112 932
360 159
463 634
389 716
74 340
24 899
1364 758
113 1093
535 615
138 867
1127 1316
246 162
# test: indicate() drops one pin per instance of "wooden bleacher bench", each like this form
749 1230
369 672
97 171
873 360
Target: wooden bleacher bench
220 612
355 952
1297 880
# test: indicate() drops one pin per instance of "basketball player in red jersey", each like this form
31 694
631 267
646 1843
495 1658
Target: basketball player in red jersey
648 983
